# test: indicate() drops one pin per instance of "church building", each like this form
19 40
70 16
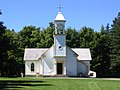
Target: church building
59 59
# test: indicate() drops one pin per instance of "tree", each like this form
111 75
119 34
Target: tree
29 36
46 36
48 33
115 46
85 36
100 52
71 38
2 45
10 60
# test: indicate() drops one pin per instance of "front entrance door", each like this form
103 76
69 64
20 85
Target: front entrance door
59 68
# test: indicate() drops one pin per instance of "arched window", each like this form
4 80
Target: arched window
32 67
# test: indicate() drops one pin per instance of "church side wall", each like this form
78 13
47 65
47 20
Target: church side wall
48 63
87 62
71 63
28 67
83 68
80 68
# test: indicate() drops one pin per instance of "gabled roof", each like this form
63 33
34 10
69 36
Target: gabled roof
34 53
72 51
83 53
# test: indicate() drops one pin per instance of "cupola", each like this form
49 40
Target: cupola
59 22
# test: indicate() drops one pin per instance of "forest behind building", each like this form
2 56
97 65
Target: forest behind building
104 46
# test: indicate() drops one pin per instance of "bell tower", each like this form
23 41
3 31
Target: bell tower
59 35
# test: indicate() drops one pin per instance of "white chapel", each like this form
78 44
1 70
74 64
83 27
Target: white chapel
59 59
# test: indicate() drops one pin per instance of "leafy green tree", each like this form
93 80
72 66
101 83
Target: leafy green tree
72 38
100 52
115 46
29 36
86 36
46 36
2 45
10 63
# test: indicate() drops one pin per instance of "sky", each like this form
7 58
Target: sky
79 13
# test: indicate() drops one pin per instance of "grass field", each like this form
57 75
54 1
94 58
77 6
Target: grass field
58 84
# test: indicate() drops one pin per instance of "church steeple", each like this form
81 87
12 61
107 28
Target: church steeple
59 36
59 22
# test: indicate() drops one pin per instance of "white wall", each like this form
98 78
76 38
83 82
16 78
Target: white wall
87 62
83 67
71 63
80 68
28 67
60 40
48 66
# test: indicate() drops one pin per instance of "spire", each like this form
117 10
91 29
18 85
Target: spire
60 16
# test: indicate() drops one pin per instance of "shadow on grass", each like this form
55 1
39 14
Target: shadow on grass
9 84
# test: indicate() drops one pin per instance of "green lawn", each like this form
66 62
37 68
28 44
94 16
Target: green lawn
58 84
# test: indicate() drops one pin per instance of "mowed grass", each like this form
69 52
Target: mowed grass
58 84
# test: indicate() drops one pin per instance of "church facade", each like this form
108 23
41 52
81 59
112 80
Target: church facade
59 59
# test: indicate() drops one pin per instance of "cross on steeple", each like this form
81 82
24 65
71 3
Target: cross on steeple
0 12
59 8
